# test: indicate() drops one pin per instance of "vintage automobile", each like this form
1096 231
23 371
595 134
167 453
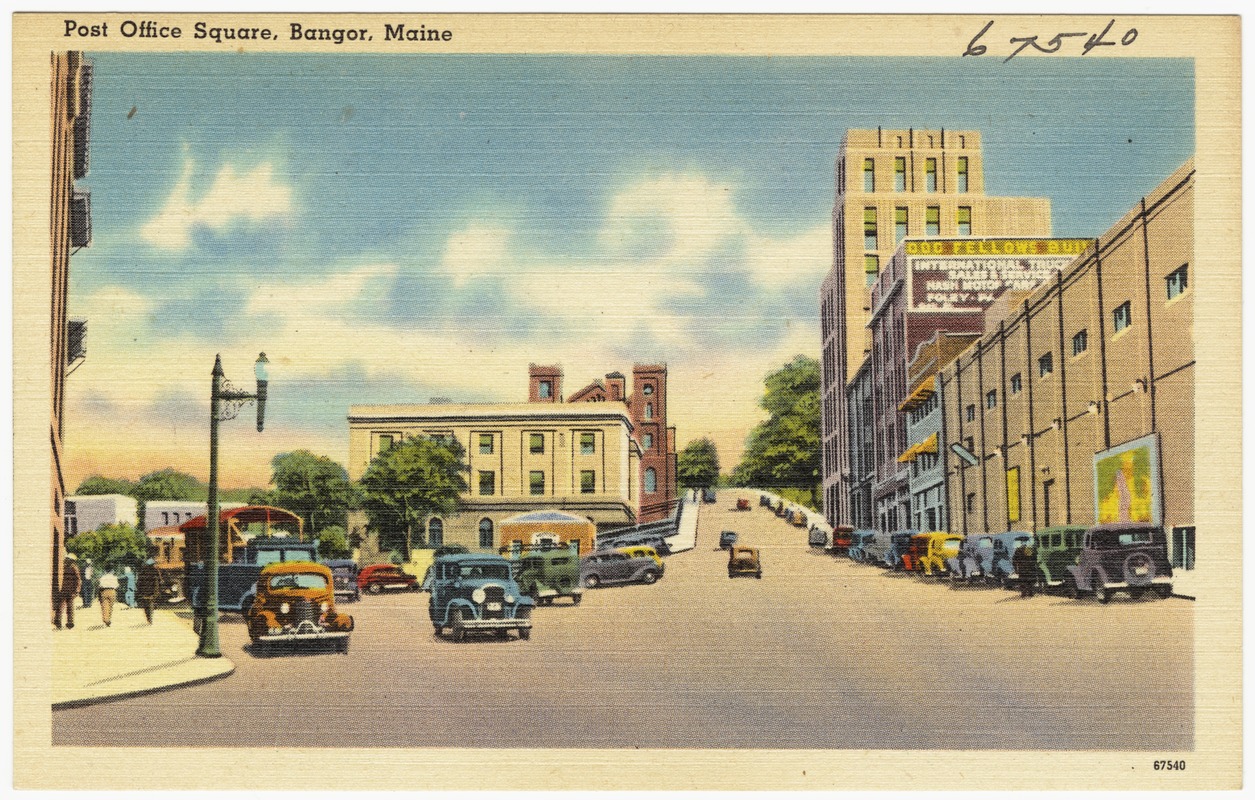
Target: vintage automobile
974 559
296 602
344 574
708 495
861 541
842 540
727 539
476 593
1058 549
1003 571
764 500
1124 556
547 573
817 537
611 566
377 577
744 560
898 542
940 547
641 551
742 504
913 555
798 518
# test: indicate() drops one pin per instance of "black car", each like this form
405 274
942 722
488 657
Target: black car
344 576
727 539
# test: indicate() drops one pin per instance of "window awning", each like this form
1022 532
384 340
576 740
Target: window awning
909 454
929 445
925 390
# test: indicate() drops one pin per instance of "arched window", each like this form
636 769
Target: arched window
649 411
651 480
485 533
435 532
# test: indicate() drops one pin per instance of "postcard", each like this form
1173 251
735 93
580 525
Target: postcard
585 402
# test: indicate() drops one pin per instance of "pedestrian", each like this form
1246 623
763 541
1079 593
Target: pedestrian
1024 561
89 583
108 590
128 586
71 583
148 587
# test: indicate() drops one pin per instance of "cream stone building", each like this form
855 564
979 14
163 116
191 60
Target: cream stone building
581 458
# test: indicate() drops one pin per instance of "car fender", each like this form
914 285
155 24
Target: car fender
462 603
1079 577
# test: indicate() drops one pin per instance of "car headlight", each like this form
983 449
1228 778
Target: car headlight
284 608
478 595
509 598
324 606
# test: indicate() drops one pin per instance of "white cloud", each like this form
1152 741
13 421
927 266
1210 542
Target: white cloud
475 252
783 263
252 197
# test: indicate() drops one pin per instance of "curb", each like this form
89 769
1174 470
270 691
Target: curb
109 698
1184 596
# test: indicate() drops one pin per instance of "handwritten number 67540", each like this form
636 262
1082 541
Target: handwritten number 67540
1053 45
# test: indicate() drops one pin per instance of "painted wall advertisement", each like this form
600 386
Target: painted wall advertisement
1127 481
968 274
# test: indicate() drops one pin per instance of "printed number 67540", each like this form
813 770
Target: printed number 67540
1169 765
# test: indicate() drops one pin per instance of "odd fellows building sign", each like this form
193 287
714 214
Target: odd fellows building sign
956 275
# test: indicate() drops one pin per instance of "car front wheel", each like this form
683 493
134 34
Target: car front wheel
1074 591
374 588
455 618
1101 594
649 577
592 581
1164 591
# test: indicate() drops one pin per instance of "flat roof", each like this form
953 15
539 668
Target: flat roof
472 412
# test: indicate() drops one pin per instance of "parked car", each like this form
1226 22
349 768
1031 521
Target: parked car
742 504
744 560
1058 549
476 593
764 500
940 546
377 577
842 539
861 542
727 539
898 542
779 509
545 574
913 553
296 602
1003 570
974 559
708 495
611 566
817 537
799 518
344 575
642 551
1124 556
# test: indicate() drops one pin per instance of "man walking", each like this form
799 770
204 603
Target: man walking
128 586
71 582
89 583
148 587
108 596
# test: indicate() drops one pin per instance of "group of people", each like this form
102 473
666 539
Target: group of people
77 582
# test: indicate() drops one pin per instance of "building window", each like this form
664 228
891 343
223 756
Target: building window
647 441
385 443
932 221
1080 342
962 173
546 390
651 480
899 174
588 481
869 175
965 220
930 174
1016 383
435 532
485 444
899 224
649 411
1045 365
1178 280
536 443
971 503
871 264
869 229
647 389
165 517
1122 316
536 480
485 533
487 482
991 398
841 176
971 413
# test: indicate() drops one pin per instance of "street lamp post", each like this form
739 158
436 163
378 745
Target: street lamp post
225 403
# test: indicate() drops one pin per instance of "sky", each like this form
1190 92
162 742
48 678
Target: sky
392 229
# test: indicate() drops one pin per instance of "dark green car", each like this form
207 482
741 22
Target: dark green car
547 573
1057 549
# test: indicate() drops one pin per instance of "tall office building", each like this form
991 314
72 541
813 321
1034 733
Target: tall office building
891 184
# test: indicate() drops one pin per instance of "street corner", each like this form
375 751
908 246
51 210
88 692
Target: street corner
94 663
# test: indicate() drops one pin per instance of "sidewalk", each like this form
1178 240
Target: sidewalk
92 663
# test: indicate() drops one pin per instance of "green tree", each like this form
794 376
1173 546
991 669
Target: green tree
314 487
168 484
420 477
784 451
698 464
111 546
333 543
99 484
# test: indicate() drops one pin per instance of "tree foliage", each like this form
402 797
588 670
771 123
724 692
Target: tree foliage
99 484
420 477
170 484
111 547
313 487
333 543
698 464
784 450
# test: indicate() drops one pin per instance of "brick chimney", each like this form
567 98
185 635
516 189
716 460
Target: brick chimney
615 387
544 384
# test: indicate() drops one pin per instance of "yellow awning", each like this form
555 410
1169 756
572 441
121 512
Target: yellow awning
909 454
925 390
929 445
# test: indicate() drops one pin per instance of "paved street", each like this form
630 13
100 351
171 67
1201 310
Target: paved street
820 653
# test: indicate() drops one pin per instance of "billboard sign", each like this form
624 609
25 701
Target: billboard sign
1127 482
968 274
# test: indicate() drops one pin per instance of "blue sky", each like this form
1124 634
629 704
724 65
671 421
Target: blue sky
389 229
